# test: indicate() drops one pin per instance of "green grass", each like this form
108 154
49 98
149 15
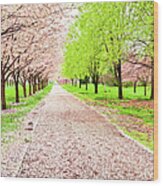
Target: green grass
111 92
141 137
110 100
11 122
145 114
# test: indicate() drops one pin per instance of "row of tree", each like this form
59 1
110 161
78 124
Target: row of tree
30 40
104 37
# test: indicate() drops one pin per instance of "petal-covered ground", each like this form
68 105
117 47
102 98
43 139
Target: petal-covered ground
71 140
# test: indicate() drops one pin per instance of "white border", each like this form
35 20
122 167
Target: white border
53 182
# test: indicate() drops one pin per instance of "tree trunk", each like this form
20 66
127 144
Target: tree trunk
86 82
96 87
135 83
152 82
145 89
120 92
86 85
34 85
34 89
95 79
80 83
17 91
24 90
30 88
42 84
115 71
39 84
46 82
72 81
3 95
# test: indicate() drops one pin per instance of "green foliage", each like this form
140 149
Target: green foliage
104 33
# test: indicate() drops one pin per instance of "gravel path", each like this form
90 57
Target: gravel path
72 140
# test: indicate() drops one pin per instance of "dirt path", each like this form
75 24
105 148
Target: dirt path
71 140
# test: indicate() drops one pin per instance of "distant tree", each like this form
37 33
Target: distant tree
137 70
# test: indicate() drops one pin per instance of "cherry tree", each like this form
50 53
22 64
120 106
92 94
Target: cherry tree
137 70
31 35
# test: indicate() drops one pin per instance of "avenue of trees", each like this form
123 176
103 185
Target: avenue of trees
29 46
114 39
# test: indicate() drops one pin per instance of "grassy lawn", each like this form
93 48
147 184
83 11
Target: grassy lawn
135 108
11 121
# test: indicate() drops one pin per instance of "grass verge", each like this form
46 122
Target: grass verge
134 114
11 121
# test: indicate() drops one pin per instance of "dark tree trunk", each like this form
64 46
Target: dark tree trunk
152 82
96 87
115 71
34 85
86 82
145 88
120 92
42 84
17 91
86 85
95 79
80 83
135 83
34 89
3 95
39 84
30 88
72 82
24 89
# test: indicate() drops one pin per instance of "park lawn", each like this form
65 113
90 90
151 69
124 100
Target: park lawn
11 121
134 105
